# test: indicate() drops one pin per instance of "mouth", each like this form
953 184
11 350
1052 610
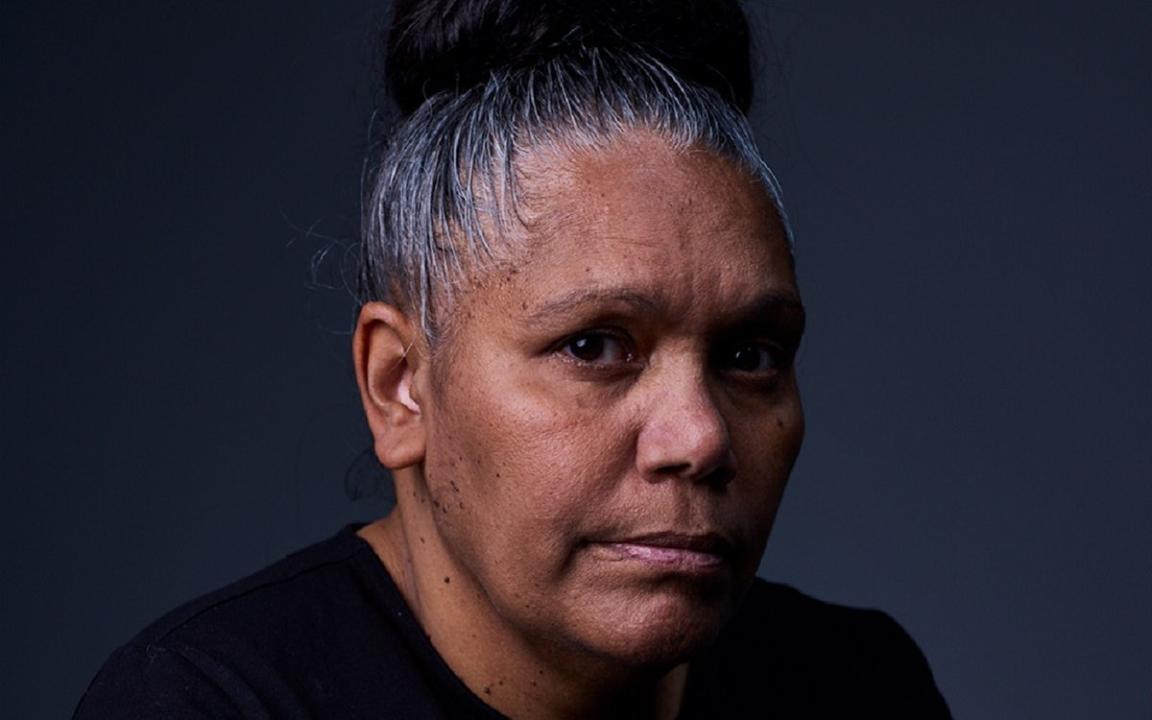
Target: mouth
701 553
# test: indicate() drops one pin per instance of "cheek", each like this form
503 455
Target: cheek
766 451
521 465
767 432
786 428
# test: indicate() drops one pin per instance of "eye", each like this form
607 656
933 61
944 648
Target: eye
752 357
596 347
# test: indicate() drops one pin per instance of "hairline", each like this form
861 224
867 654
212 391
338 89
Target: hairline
454 167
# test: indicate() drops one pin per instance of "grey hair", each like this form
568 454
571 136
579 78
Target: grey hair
447 182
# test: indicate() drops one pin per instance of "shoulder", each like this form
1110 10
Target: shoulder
303 632
261 601
798 655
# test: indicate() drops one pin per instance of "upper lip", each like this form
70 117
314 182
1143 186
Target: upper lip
708 542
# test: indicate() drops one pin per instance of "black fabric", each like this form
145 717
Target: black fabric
325 633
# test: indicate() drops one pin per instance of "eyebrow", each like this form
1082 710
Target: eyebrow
768 303
644 302
587 296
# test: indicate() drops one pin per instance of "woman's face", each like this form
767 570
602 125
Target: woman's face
613 415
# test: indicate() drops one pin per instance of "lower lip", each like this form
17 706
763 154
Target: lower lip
660 556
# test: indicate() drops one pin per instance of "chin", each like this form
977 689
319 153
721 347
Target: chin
662 630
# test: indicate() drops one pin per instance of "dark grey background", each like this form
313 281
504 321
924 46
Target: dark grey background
971 183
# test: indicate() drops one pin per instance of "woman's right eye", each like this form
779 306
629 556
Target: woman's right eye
597 348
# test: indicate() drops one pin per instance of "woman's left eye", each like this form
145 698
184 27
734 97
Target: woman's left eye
751 357
597 348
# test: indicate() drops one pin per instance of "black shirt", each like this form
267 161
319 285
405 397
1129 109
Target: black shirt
325 633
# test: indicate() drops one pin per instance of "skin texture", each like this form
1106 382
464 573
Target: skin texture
589 465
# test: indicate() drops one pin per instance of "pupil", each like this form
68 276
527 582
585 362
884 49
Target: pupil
746 358
589 347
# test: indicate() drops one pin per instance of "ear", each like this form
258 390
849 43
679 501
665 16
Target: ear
388 358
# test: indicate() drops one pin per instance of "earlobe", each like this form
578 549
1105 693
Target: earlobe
387 360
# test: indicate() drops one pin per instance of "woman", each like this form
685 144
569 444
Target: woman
575 354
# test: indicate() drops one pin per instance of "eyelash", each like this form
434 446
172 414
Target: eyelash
628 352
777 358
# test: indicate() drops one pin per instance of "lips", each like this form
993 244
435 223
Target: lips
669 550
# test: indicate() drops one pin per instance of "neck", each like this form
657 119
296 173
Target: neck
499 665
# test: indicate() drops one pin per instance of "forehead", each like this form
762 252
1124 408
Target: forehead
683 224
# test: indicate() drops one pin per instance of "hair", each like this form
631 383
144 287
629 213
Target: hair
476 84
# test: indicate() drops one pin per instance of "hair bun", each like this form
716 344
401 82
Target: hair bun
437 45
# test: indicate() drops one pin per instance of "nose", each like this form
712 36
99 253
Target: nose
685 434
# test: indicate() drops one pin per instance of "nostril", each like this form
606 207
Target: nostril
718 474
721 477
